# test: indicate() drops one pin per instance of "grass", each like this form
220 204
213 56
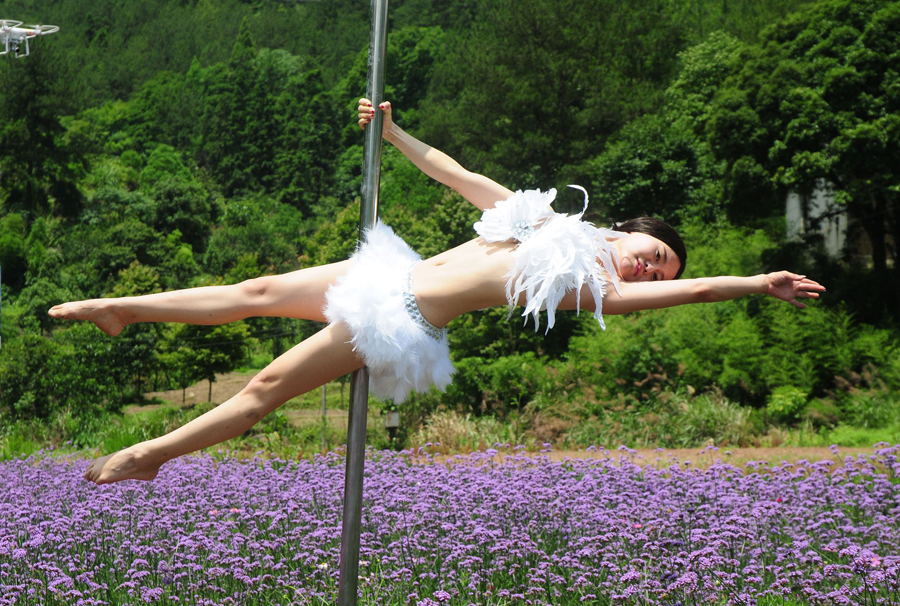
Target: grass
297 429
454 432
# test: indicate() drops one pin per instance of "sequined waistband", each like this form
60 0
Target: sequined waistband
412 308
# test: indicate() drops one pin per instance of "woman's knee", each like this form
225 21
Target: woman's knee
264 388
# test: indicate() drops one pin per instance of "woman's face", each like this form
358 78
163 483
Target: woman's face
643 258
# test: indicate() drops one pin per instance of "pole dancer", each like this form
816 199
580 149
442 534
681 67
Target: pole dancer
387 308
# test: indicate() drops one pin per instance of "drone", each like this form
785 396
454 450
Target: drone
13 34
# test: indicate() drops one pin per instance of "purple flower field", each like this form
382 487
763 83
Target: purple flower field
476 529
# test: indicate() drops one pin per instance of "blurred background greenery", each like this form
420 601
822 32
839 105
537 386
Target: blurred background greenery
166 144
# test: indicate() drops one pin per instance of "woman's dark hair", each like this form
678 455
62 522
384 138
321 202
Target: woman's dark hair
661 231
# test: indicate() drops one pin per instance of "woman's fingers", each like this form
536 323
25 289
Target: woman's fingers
366 112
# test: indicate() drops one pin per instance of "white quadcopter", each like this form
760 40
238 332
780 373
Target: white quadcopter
13 34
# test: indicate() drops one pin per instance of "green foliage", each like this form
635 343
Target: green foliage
39 167
12 249
195 143
43 255
182 205
873 410
703 69
207 350
37 298
813 104
257 226
847 435
742 362
822 414
710 418
525 76
454 432
746 348
786 402
136 280
29 390
655 167
164 162
335 241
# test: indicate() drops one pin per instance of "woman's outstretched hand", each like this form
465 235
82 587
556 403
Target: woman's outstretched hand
789 287
367 112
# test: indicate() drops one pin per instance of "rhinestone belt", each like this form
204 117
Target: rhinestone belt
412 308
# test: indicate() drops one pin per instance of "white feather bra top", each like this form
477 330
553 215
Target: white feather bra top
556 253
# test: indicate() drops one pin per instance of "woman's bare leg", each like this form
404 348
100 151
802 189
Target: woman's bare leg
321 358
298 294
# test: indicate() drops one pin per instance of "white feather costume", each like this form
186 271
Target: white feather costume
556 253
402 351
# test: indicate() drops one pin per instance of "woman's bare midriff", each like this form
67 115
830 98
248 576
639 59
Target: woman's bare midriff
469 277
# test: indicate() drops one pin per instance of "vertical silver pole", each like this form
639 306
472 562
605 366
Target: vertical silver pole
359 384
324 421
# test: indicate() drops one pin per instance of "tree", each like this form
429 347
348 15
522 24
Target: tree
257 226
307 140
12 249
164 163
43 256
38 297
534 87
26 390
817 103
212 349
656 166
38 169
183 205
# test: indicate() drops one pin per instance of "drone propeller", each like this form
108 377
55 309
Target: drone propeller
41 30
7 24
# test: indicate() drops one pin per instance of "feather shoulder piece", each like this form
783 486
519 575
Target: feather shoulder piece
557 253
517 217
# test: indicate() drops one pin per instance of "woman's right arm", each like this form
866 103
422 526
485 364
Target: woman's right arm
477 189
636 296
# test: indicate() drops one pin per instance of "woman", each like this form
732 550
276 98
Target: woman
386 307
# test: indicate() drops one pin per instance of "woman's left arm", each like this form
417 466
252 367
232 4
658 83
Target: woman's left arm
782 285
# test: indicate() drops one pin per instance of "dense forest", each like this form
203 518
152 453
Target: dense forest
167 144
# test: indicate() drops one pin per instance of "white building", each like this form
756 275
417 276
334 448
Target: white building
818 214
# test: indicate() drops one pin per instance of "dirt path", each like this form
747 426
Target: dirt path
225 386
698 457
229 384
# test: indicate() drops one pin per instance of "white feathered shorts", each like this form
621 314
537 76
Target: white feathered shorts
403 352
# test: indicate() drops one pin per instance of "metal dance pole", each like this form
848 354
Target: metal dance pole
359 384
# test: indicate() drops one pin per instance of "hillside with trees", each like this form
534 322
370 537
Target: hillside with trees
168 144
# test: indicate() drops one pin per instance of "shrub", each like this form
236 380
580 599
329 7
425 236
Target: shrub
712 417
786 403
459 433
873 410
821 414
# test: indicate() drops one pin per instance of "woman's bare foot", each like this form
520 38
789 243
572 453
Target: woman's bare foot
98 311
128 464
